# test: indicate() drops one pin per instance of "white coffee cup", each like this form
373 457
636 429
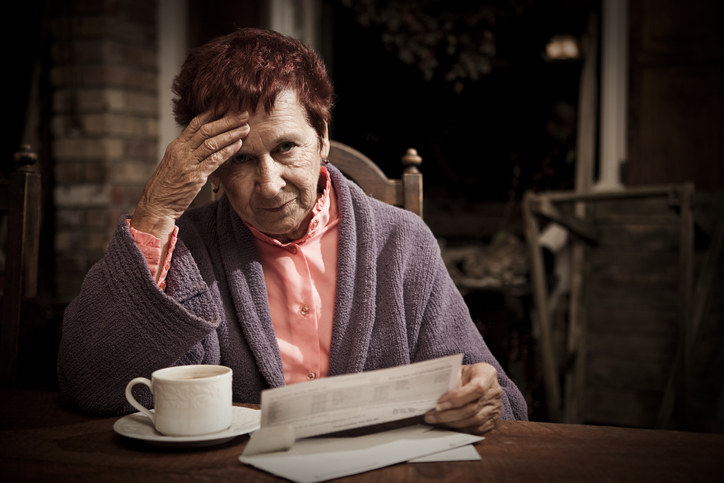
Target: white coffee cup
189 400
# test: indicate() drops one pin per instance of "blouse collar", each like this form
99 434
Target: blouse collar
322 214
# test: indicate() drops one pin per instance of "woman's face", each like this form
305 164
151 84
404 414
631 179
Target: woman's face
272 180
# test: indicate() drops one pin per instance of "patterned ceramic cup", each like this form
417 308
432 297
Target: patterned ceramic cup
190 400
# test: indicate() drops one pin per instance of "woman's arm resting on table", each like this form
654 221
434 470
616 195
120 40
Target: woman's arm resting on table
475 405
123 326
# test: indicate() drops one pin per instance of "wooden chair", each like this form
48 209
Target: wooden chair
629 334
20 199
405 193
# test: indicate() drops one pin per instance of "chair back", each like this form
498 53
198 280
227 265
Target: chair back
20 199
617 353
405 192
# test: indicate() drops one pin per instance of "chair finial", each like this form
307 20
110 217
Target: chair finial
25 158
411 160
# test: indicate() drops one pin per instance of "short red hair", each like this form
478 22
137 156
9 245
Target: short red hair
248 67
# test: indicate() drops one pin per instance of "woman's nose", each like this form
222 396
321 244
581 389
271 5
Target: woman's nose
269 180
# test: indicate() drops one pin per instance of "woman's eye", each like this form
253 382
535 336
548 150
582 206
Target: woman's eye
240 158
284 147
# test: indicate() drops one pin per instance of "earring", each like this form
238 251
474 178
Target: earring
215 188
326 161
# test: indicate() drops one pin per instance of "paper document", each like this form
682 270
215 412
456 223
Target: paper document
319 459
340 403
463 453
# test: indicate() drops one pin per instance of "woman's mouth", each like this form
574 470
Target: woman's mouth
280 207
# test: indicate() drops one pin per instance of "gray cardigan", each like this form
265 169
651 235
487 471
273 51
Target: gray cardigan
395 304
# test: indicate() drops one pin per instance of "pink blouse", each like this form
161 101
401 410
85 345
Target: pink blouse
301 285
300 278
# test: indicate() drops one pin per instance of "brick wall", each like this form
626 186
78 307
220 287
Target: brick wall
104 124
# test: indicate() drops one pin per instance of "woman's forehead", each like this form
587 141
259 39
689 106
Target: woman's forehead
287 109
287 121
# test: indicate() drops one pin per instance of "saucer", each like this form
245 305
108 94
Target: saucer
139 426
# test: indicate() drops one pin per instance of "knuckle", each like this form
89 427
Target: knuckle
211 158
197 125
479 417
471 410
211 145
197 120
204 129
217 157
194 125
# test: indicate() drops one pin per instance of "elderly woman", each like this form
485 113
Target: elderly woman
292 275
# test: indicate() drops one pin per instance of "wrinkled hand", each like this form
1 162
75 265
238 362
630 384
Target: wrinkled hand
187 163
475 405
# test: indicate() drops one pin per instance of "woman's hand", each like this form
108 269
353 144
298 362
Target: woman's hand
475 405
189 160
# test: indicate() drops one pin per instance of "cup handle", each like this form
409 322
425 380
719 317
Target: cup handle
136 404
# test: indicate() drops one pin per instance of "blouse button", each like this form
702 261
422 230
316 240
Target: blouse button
304 310
311 376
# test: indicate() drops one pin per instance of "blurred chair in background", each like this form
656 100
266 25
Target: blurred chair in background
629 340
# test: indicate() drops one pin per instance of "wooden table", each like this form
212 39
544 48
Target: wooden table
42 439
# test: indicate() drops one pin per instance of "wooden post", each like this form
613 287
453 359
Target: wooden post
21 266
412 181
540 294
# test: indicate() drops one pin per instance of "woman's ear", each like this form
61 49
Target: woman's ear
324 146
215 182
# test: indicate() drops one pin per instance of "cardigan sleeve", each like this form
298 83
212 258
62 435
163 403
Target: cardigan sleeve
447 327
122 326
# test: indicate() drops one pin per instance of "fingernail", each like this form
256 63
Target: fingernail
443 406
430 419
